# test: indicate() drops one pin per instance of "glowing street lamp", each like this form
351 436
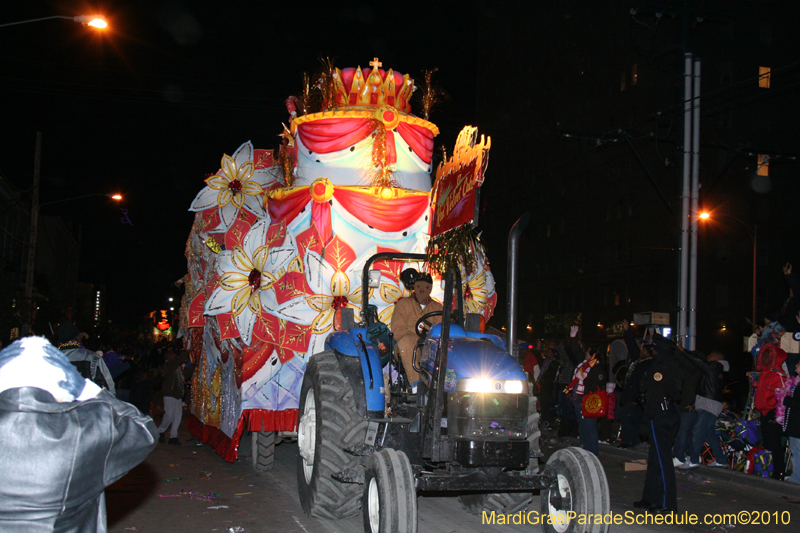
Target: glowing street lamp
95 21
753 232
113 196
35 205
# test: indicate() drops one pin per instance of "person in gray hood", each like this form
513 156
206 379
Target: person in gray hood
64 440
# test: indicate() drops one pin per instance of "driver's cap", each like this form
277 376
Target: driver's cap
408 277
424 276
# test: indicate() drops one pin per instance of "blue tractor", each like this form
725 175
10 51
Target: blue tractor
369 442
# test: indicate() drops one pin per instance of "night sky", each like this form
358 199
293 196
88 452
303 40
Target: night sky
148 107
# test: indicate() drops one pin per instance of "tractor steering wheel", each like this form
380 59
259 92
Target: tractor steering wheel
423 320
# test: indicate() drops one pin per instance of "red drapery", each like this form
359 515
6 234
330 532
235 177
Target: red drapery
418 138
333 134
386 215
252 419
287 208
393 214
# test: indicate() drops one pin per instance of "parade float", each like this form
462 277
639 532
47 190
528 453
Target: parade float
280 239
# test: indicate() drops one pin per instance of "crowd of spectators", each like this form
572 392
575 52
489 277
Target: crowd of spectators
712 428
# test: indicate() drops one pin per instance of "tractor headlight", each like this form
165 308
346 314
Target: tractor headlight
513 386
507 386
474 385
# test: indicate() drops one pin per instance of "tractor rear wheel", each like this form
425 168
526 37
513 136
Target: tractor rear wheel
328 423
263 450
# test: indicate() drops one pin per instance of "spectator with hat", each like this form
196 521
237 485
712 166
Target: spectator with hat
90 364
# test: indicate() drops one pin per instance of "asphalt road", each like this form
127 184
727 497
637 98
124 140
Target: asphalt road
190 489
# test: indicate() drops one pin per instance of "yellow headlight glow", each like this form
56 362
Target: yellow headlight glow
513 386
503 386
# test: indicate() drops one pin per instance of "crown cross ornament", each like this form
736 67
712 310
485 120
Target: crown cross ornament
380 88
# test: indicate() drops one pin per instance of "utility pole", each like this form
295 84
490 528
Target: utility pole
685 194
687 15
30 305
693 216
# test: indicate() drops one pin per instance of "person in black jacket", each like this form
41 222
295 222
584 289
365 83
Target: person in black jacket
630 411
791 420
708 404
661 387
682 449
64 440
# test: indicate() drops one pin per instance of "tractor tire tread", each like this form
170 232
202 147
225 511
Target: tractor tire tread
341 427
263 450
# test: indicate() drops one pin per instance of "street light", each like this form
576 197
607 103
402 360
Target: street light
753 232
95 21
35 205
113 196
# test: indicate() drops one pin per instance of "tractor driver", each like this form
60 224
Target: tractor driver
407 311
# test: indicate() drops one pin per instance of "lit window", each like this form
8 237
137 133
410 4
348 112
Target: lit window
763 77
634 74
763 165
622 80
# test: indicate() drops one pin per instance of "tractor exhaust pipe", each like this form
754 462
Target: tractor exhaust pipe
513 283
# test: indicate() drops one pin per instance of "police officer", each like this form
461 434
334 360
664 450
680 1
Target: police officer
661 388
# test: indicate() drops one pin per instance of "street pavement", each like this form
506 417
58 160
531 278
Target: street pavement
189 488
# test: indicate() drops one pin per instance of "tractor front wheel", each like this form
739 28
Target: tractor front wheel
583 489
389 503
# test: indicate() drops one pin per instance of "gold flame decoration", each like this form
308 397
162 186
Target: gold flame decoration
326 85
304 101
430 95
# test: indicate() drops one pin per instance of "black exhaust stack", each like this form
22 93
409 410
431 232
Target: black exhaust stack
513 283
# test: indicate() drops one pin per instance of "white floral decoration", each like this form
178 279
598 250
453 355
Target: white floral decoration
237 185
246 274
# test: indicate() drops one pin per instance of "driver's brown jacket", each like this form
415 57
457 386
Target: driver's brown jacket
406 313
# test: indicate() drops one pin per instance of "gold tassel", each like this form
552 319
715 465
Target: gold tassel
287 161
449 250
379 173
